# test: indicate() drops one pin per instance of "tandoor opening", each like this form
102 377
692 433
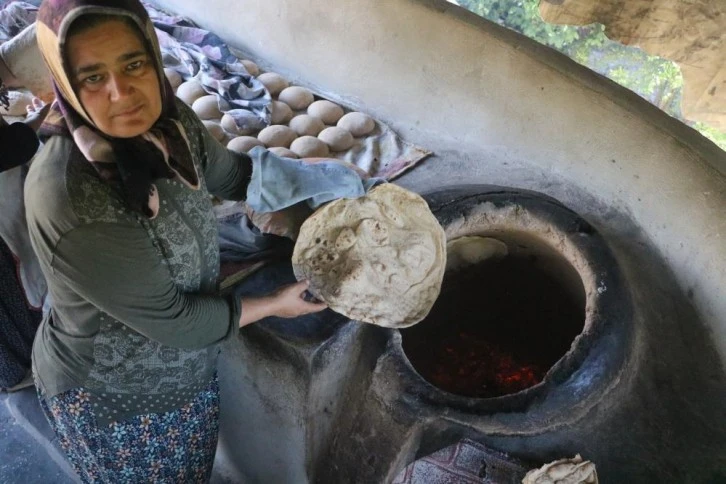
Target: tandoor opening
499 325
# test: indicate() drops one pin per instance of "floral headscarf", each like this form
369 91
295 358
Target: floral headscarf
133 163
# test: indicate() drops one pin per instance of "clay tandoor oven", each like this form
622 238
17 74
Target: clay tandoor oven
520 346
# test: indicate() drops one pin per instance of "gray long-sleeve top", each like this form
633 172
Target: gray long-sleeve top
136 320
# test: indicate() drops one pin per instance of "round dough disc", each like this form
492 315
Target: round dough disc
242 144
306 125
284 152
309 147
251 67
231 127
281 112
207 107
274 82
358 124
338 139
273 136
379 258
297 97
327 111
190 91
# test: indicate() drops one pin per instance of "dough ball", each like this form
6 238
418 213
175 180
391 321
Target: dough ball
281 112
18 101
358 124
297 97
242 144
284 152
231 127
207 107
379 258
251 67
214 129
190 91
274 82
328 112
310 147
306 125
175 79
338 139
277 135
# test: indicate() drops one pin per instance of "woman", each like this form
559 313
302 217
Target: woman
21 283
120 215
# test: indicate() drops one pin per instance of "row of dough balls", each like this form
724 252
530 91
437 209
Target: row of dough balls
301 126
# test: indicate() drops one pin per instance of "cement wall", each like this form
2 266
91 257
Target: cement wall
498 108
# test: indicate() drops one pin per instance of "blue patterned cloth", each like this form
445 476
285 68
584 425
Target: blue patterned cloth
278 182
171 447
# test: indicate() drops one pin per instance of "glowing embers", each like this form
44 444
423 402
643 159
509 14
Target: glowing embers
500 324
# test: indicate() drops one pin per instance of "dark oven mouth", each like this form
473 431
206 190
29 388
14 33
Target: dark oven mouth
500 323
533 312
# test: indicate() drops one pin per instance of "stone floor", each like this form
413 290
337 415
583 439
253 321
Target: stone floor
30 455
27 444
28 452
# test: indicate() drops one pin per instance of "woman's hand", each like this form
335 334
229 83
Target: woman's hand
286 302
36 113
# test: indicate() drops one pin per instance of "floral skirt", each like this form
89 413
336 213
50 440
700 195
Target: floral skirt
173 447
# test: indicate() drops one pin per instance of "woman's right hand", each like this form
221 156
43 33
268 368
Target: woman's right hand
289 301
36 113
286 302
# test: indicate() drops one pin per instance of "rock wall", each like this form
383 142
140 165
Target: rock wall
691 34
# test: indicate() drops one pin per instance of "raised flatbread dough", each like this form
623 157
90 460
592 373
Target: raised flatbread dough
281 112
274 82
284 152
273 136
231 127
338 139
207 107
297 97
358 124
242 144
378 259
190 91
309 147
306 125
251 67
328 112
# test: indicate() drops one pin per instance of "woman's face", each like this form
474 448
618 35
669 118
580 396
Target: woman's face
115 79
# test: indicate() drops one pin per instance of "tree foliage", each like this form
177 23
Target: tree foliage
654 78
